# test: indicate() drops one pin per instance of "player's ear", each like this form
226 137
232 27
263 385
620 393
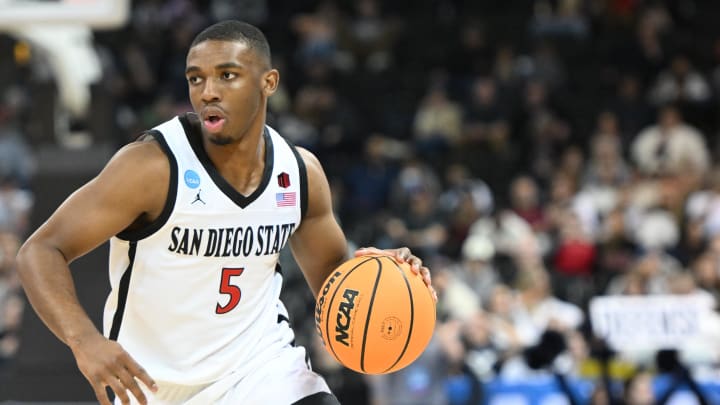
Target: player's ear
271 78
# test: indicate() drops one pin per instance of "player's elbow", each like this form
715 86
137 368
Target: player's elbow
33 254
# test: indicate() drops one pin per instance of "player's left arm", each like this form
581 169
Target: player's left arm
319 245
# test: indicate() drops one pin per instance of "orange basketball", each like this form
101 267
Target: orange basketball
374 315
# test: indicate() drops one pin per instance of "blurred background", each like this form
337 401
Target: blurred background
554 162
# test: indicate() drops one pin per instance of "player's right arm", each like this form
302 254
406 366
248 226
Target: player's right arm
129 191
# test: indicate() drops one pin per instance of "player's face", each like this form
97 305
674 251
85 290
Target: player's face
228 85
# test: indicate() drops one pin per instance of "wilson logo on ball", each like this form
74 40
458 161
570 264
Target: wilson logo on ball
344 316
321 301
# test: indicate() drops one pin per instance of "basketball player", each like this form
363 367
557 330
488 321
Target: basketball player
196 213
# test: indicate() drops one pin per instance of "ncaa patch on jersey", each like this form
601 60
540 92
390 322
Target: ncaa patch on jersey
192 179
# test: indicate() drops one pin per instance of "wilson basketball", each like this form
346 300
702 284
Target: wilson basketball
375 315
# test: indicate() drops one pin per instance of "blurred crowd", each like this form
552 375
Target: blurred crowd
17 167
535 154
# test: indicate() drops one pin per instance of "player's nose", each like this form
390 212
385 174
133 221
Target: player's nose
210 92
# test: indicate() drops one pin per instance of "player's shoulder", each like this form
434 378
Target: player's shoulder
312 163
145 156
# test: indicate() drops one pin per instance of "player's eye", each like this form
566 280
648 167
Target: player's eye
228 75
194 79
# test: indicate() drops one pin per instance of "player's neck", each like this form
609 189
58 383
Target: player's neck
241 163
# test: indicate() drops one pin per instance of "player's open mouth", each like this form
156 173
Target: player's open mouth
214 123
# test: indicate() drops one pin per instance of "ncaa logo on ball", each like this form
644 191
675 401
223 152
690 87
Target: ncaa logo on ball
344 317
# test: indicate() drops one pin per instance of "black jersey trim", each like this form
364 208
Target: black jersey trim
302 170
123 289
318 398
161 220
282 318
191 124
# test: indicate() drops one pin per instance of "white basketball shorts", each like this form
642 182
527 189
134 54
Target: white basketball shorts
282 380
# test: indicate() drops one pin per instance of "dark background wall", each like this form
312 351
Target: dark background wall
44 369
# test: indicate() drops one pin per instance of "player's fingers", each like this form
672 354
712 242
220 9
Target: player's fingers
119 389
403 255
131 384
100 393
416 265
434 293
427 278
364 251
139 372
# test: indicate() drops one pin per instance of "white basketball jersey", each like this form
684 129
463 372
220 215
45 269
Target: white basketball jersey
195 295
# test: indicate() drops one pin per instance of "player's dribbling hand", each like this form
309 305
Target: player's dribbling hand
403 255
104 363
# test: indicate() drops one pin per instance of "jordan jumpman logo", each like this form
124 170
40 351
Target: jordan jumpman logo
197 198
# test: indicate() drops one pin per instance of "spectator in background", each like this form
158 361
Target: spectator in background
471 53
537 309
324 121
705 269
476 268
606 175
483 107
11 303
17 160
564 198
681 83
606 161
436 126
415 175
493 157
253 11
509 69
543 133
420 383
15 206
616 249
702 208
463 201
525 201
368 36
644 54
317 36
500 312
456 299
638 390
648 274
420 226
631 108
573 261
415 218
367 183
671 146
564 20
572 163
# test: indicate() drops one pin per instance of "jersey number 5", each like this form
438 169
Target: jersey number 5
230 289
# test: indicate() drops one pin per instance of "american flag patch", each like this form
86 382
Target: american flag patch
285 199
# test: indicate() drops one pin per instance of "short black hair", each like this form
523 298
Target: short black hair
233 30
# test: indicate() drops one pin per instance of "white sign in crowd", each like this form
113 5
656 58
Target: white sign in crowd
649 322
